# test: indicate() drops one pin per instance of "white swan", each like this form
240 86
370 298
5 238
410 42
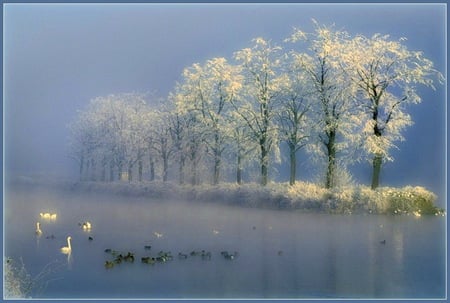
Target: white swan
45 215
38 229
157 234
48 216
67 249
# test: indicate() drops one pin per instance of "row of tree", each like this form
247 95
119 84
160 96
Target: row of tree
342 98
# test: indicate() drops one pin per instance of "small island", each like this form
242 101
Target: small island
302 196
335 99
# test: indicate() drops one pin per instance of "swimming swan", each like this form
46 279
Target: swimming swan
38 229
157 234
67 249
48 216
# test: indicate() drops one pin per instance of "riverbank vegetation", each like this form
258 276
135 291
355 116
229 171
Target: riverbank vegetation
302 196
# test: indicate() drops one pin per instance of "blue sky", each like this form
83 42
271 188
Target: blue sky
59 56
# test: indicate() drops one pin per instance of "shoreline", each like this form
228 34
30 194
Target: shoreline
303 196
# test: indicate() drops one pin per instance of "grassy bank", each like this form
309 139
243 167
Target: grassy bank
305 196
308 196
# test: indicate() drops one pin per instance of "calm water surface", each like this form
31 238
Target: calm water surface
281 254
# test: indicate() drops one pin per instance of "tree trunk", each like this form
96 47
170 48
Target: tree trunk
377 160
88 169
165 167
216 169
293 164
140 168
104 162
152 170
81 167
111 171
130 173
264 162
331 167
181 170
217 158
194 170
93 170
119 172
239 169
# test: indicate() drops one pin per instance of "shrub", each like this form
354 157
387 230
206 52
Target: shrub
18 282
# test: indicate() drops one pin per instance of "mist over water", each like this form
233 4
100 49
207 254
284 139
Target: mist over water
280 254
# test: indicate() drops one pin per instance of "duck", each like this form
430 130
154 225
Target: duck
280 252
206 255
147 247
383 241
90 238
182 256
161 259
229 256
118 259
129 257
108 250
109 264
148 260
38 229
67 249
166 255
195 253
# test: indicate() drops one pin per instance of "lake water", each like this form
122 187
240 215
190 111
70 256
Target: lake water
281 254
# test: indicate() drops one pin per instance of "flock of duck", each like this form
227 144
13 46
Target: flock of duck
162 256
119 257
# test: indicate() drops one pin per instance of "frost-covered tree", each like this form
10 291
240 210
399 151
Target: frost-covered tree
386 73
162 140
111 130
242 148
84 140
331 93
262 85
194 146
293 123
178 129
205 93
126 113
